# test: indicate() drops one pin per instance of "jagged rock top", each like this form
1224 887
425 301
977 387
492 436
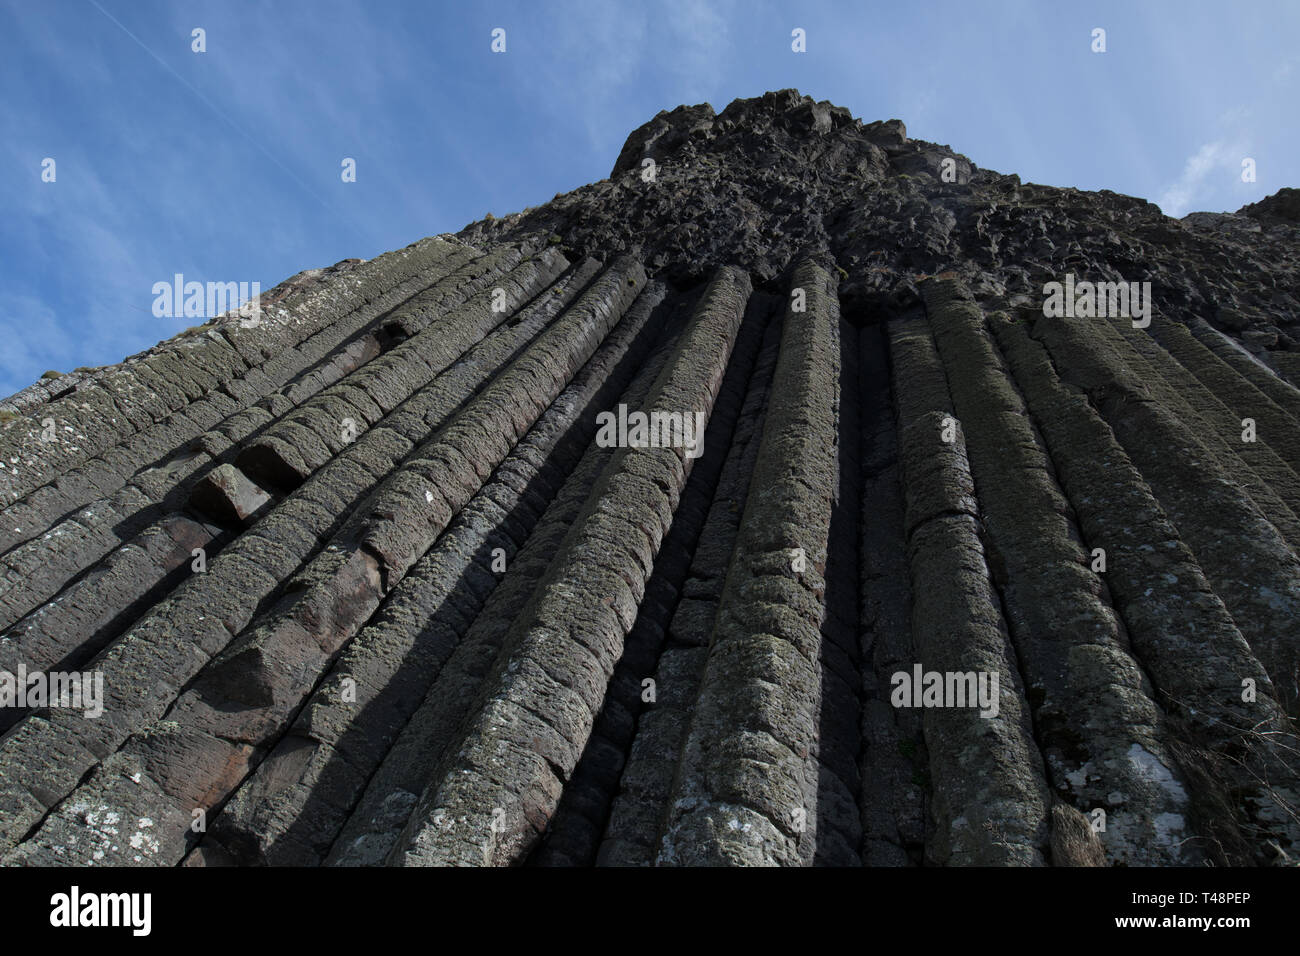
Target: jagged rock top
1281 207
780 175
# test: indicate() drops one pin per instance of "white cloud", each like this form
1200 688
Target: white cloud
1219 158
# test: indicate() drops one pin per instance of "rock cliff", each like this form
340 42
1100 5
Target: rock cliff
383 577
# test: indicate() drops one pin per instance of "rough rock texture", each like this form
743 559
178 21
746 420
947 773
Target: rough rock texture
375 581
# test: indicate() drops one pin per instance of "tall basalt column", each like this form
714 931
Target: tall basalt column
637 814
1266 478
1066 633
1243 745
990 800
291 809
893 758
410 764
1239 384
574 834
747 788
246 695
489 801
1247 560
102 415
290 449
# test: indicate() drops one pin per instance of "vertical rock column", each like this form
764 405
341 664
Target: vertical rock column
497 791
1179 630
1244 556
574 834
291 809
637 815
990 801
245 697
1066 633
394 788
893 753
747 787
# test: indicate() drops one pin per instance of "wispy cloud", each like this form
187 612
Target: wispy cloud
1218 158
90 239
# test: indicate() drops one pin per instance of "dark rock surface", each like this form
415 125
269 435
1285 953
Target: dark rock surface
366 583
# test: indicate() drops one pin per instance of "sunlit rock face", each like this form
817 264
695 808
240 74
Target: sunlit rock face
802 494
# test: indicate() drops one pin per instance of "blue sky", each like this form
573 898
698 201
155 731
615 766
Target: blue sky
225 165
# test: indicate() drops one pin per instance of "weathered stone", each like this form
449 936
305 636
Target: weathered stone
371 582
228 496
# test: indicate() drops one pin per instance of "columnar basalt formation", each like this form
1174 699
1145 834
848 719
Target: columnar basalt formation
895 566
